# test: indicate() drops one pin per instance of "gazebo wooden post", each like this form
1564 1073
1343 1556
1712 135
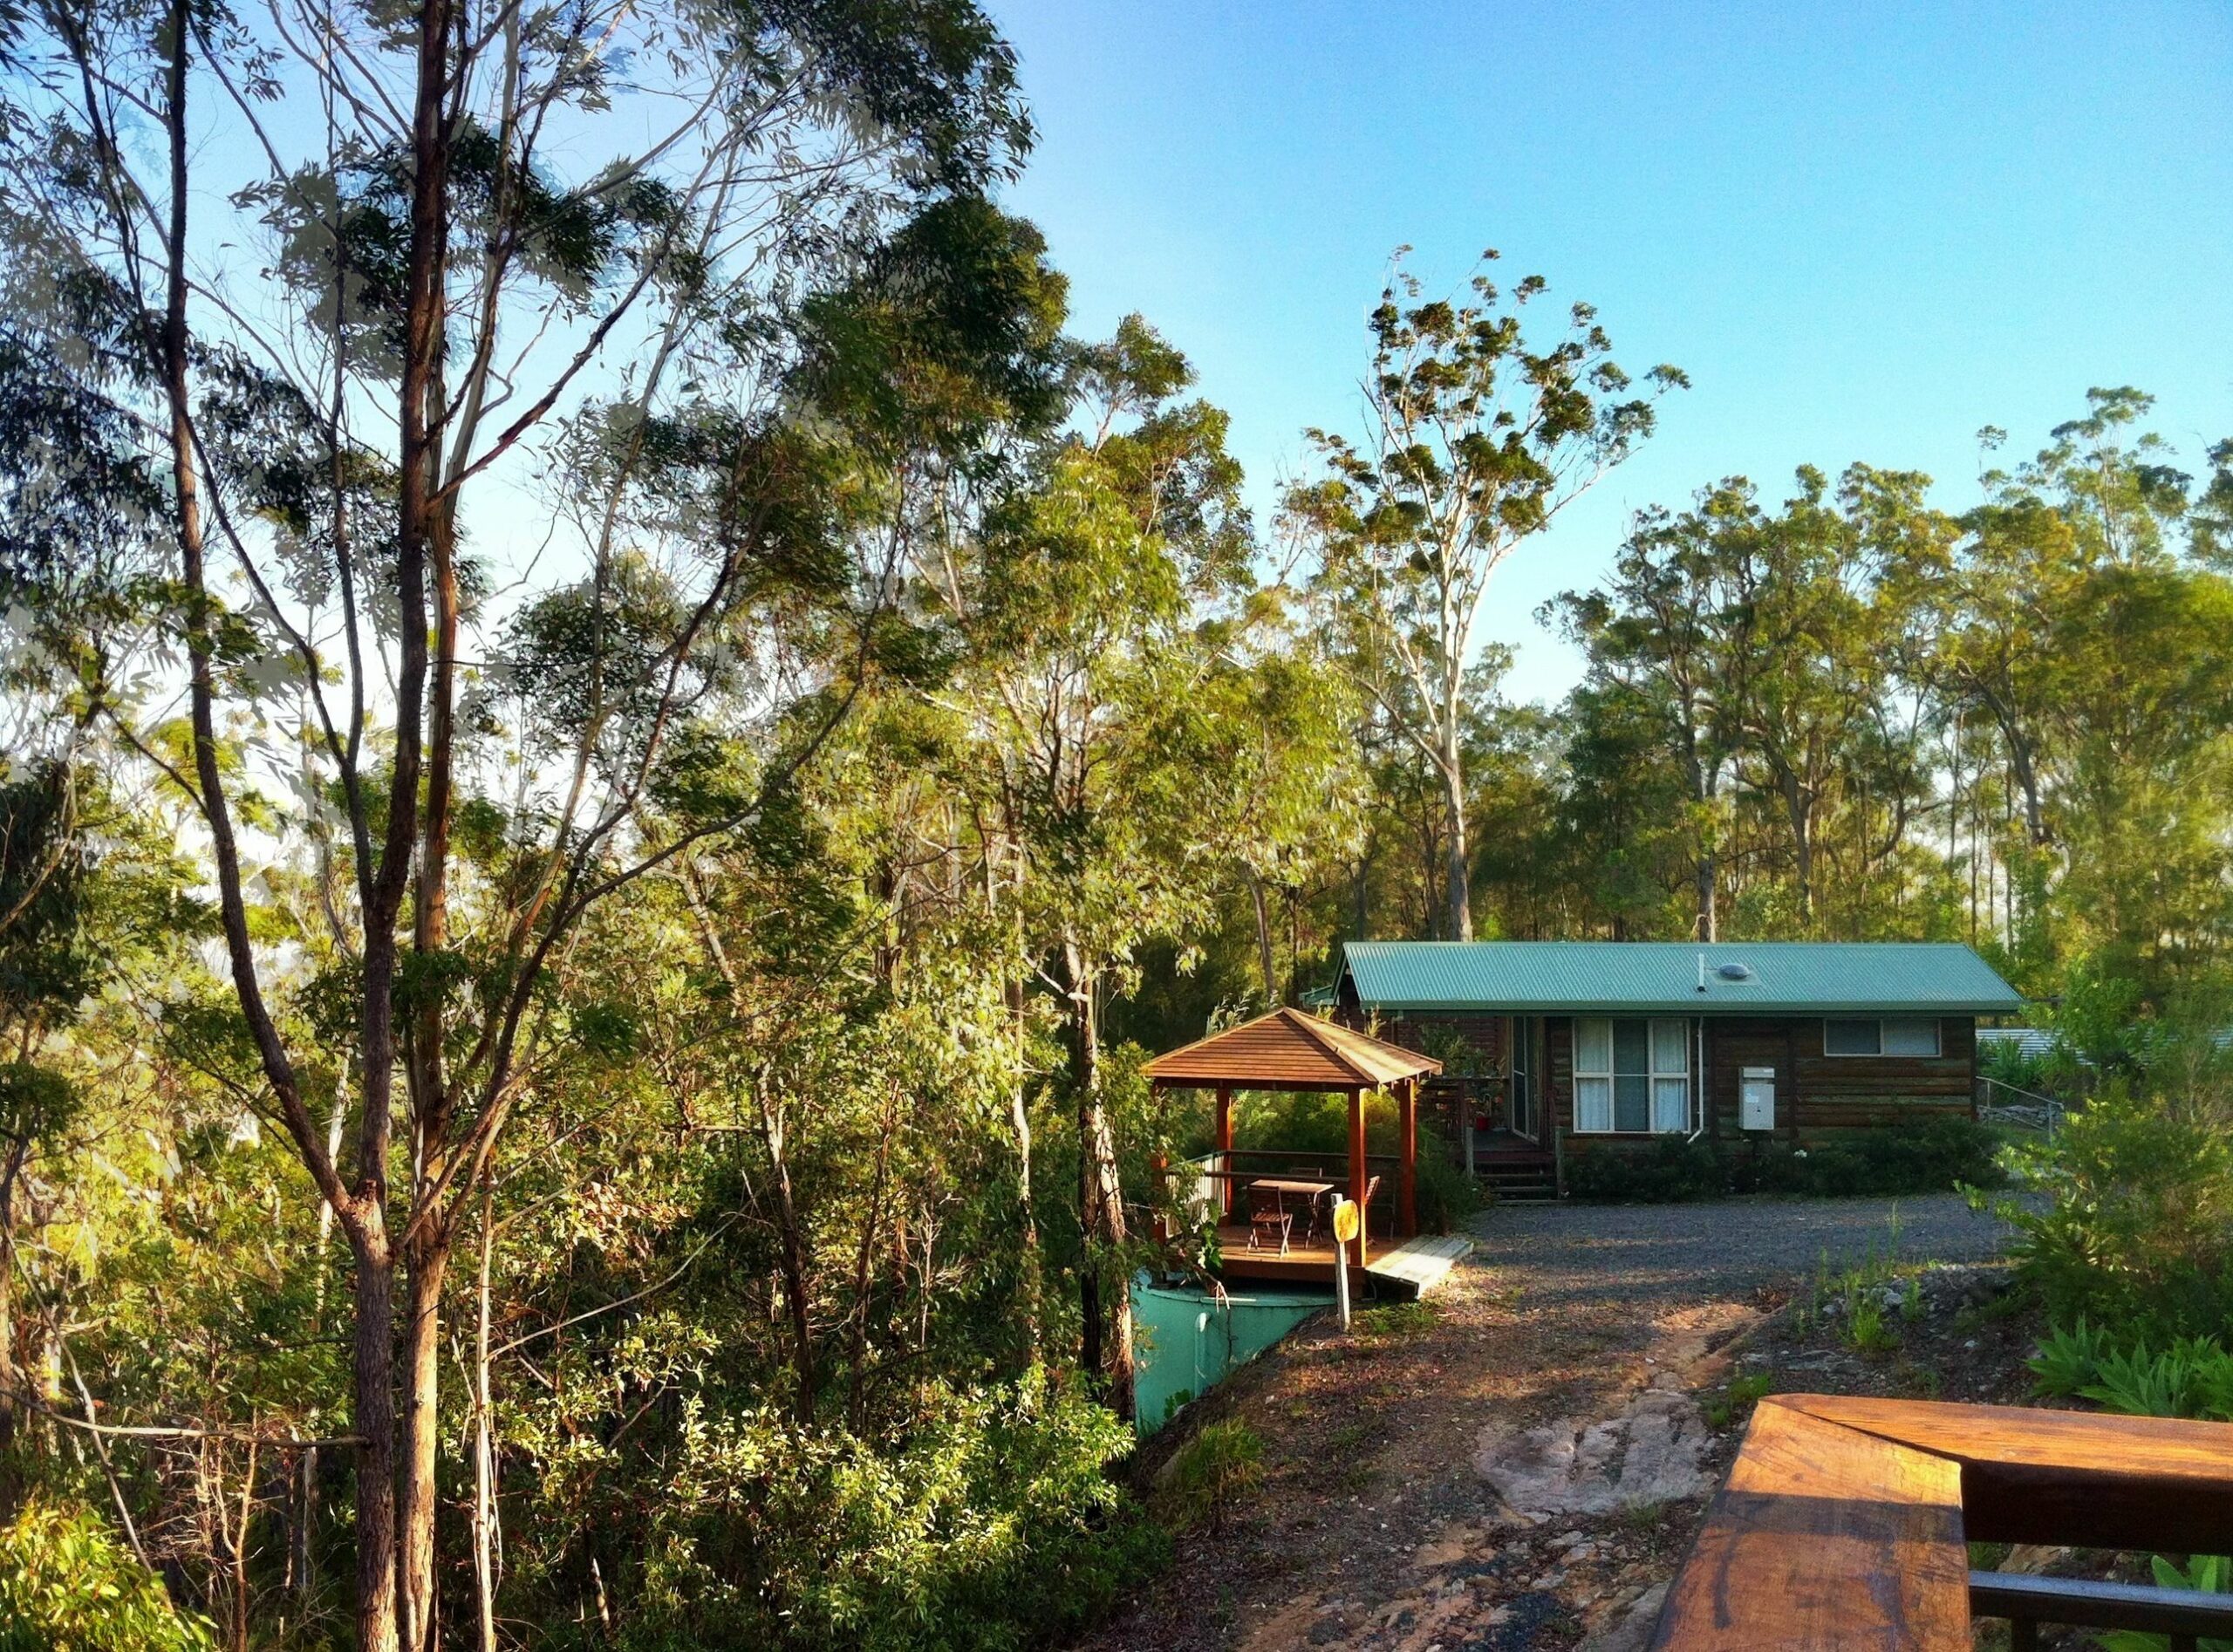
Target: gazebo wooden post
1407 1150
1225 1151
1357 1167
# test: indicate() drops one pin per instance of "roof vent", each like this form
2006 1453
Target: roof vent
1735 972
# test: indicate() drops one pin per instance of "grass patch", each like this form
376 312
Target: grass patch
1736 1401
1211 1474
1395 1322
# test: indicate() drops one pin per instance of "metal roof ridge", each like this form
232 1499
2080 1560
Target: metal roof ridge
1309 1026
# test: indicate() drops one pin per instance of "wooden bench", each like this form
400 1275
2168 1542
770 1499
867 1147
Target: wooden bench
1846 1523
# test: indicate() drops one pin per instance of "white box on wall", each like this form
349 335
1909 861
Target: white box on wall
1755 1099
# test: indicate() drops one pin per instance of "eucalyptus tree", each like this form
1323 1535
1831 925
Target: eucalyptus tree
1477 436
447 260
1130 721
1667 628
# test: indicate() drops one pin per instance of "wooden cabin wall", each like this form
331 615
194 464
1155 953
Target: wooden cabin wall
1818 1096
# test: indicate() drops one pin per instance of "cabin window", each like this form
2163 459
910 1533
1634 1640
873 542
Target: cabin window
1893 1036
1631 1074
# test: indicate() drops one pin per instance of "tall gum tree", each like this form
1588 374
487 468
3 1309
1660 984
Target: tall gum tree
1120 677
1476 435
436 275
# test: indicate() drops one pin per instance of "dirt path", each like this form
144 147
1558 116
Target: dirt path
1523 1471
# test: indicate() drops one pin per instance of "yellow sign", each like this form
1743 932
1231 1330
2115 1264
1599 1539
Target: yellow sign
1345 1221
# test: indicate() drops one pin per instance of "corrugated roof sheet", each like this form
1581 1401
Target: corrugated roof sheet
1785 977
1287 1049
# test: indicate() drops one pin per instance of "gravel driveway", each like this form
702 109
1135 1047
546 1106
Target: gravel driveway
1695 1253
1381 1523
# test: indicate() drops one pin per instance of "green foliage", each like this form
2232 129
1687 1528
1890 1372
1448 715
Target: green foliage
1395 1322
1736 1400
1446 1196
1670 1171
2129 1220
1917 1155
1211 1475
1865 1328
2211 1573
2191 1377
992 1523
1927 1155
2067 1360
66 1585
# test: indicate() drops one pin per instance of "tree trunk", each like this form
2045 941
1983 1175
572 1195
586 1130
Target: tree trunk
374 1422
1264 944
1458 872
430 1262
1798 812
484 1445
300 1560
11 1487
793 1252
1101 1194
1029 1282
1707 871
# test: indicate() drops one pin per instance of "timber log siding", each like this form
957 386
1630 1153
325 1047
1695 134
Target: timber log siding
1818 1096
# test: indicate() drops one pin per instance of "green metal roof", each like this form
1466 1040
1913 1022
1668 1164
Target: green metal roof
1661 976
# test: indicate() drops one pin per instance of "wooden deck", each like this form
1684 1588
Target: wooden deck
1401 1268
1845 1523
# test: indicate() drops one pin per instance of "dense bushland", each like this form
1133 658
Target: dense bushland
617 740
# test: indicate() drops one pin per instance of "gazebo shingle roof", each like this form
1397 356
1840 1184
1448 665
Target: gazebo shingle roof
1290 1050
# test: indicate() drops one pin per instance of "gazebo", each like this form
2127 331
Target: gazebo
1290 1050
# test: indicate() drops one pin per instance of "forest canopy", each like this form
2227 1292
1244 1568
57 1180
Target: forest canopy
618 738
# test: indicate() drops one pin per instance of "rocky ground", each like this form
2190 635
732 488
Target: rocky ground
1525 1467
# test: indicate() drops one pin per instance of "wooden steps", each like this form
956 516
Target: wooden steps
1517 1178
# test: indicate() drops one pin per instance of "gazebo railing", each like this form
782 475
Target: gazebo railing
1241 1165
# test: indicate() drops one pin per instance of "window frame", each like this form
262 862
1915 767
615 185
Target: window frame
1653 1075
1881 1053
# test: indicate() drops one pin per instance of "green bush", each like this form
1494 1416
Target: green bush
2210 1573
1210 1473
1670 1171
994 1524
1446 1195
67 1586
2192 1377
1923 1155
2131 1219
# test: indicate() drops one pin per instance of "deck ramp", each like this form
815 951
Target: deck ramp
1417 1265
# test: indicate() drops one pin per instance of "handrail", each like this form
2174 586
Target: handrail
2077 1603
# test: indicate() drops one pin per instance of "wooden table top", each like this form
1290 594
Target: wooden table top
1279 1185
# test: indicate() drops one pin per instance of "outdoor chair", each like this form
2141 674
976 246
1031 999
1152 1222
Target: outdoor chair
1267 1219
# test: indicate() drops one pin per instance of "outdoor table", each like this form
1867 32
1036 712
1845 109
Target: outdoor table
1309 1192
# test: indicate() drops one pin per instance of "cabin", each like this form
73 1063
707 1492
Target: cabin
1553 1049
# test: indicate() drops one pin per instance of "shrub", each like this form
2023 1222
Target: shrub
2069 1359
65 1583
994 1523
1210 1472
2132 1219
1446 1195
1923 1155
1670 1171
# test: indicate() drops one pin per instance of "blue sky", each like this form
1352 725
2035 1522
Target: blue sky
1865 232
